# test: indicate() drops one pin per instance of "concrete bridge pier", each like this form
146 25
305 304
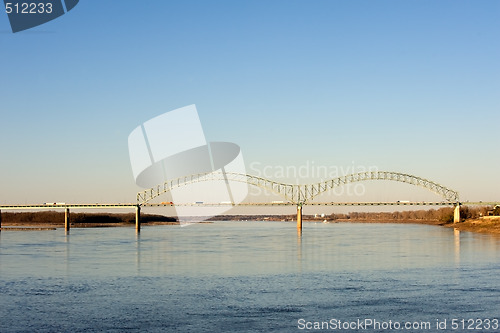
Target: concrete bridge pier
138 218
299 217
66 219
456 214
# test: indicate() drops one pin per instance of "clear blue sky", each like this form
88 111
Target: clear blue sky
410 86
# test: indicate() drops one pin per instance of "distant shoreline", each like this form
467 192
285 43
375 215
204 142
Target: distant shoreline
479 225
52 220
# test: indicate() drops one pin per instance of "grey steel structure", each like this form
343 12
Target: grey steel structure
298 194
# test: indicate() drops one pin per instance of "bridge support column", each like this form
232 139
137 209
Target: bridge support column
456 214
299 217
66 219
0 220
138 218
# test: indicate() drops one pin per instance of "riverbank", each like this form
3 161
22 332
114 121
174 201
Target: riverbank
488 224
51 220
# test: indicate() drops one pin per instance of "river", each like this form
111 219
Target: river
250 277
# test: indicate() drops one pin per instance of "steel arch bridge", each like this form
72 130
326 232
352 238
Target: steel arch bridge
297 194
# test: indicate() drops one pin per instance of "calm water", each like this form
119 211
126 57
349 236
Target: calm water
246 277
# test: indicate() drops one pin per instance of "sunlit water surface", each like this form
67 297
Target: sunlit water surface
245 276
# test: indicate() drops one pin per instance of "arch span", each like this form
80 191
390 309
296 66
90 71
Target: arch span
298 194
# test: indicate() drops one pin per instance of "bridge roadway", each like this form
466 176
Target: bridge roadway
137 207
56 206
134 205
416 203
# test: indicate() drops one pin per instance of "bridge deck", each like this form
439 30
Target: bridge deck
62 206
305 204
131 205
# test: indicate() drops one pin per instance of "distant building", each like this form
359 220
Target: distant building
495 211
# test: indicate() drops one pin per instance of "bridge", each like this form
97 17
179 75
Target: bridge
67 207
301 195
296 195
